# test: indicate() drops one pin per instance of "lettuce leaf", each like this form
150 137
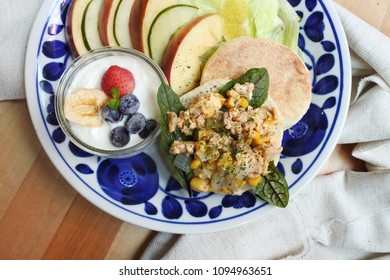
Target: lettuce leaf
291 25
264 18
275 20
268 19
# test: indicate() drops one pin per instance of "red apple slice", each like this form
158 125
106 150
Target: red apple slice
114 19
106 22
121 26
182 60
82 26
142 15
167 22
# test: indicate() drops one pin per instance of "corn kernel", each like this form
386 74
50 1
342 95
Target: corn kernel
230 102
199 184
243 102
225 191
211 165
259 140
229 93
209 111
239 183
225 161
222 98
233 93
269 122
253 133
212 154
201 146
255 181
195 163
204 133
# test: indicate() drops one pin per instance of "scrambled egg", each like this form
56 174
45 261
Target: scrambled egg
232 142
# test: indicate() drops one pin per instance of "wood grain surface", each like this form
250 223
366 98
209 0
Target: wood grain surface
43 217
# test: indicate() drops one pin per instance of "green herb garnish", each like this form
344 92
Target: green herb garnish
114 102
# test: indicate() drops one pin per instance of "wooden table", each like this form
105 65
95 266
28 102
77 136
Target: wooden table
43 217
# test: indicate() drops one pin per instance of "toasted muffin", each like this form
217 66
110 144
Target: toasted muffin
289 79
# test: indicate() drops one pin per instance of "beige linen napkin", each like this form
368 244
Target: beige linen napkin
16 19
345 215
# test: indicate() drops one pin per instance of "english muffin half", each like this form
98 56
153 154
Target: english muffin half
289 79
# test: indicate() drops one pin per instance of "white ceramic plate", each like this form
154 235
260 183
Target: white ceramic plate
139 189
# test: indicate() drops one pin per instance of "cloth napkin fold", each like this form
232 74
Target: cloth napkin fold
16 19
344 215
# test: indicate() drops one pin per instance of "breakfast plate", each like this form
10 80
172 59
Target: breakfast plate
139 189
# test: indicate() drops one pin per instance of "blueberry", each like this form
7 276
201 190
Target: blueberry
149 127
136 123
129 104
111 115
119 136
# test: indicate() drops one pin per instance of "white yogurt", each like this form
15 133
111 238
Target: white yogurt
147 83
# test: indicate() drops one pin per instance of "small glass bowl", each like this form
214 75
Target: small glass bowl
99 59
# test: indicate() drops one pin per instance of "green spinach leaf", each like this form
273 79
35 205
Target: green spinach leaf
257 76
168 100
273 188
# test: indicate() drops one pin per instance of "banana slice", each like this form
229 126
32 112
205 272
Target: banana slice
82 106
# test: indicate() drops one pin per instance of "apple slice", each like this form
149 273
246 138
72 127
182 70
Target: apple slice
167 22
182 60
82 26
114 20
106 22
121 26
142 15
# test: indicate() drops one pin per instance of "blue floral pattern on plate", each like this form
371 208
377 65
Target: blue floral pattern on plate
139 189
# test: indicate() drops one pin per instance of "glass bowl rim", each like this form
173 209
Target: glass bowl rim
71 70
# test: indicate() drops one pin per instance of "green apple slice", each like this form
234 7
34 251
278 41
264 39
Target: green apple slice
165 24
